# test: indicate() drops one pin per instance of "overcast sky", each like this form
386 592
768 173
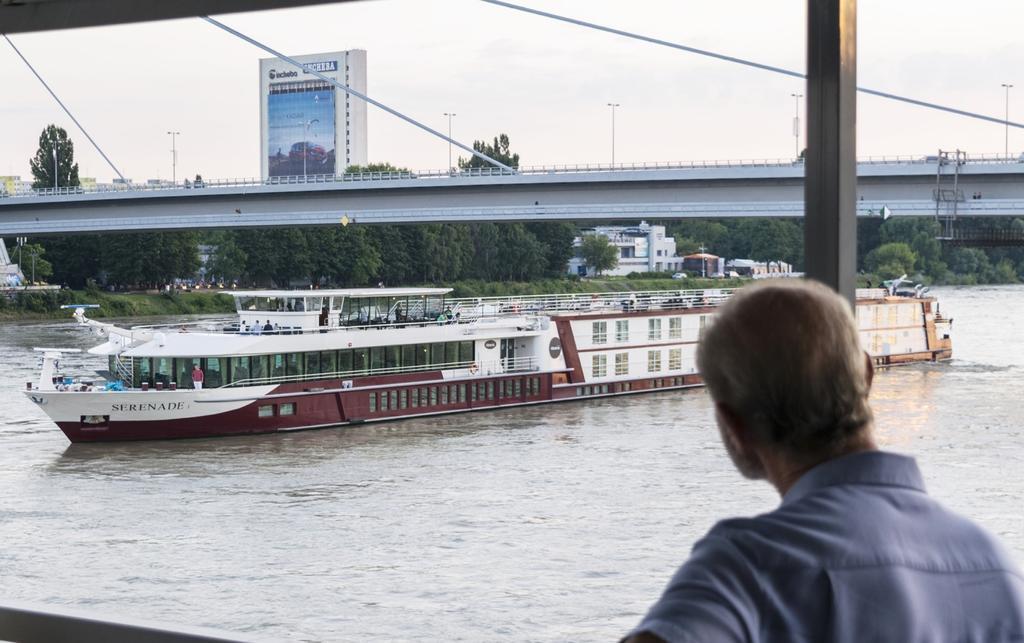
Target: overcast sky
544 83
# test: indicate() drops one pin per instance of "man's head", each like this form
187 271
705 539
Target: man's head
785 368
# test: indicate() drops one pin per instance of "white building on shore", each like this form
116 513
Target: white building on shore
642 248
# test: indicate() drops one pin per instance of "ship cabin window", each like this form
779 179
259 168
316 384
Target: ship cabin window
675 359
599 332
373 403
490 390
266 410
213 369
277 365
653 361
675 328
384 401
260 367
654 329
379 311
622 363
444 395
433 396
163 368
599 365
414 397
394 400
288 408
313 363
622 330
462 392
403 399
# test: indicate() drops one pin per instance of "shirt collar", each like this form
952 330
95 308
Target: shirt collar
865 468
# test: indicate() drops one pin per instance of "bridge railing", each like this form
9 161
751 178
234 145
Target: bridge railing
474 172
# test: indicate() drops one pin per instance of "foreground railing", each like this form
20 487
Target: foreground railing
28 623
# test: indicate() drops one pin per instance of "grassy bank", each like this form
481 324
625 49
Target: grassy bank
46 305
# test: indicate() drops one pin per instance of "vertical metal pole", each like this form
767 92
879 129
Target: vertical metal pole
796 125
830 184
55 181
613 106
1006 136
449 115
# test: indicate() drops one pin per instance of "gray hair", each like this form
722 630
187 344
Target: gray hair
786 357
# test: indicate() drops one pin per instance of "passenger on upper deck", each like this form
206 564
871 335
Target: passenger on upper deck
857 551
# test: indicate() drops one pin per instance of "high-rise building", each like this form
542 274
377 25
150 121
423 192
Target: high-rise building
308 126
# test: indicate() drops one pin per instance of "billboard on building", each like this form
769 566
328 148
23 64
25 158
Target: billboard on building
309 127
300 129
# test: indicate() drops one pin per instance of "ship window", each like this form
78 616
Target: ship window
313 363
436 354
328 362
622 330
377 358
214 372
422 354
277 365
266 411
433 396
462 392
653 361
599 332
239 368
373 402
288 408
414 397
183 370
360 359
345 361
409 355
403 398
622 363
653 329
517 387
392 356
162 369
675 328
394 399
472 392
260 366
675 359
293 363
579 391
423 396
466 353
599 365
142 370
444 395
490 390
384 401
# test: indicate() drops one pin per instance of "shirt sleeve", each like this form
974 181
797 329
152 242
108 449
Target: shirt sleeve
712 597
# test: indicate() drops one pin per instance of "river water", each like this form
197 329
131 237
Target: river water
557 523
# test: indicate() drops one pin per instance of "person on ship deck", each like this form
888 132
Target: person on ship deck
856 551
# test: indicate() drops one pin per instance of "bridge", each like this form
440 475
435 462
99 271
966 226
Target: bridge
986 186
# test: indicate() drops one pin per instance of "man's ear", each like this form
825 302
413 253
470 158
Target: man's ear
733 427
870 370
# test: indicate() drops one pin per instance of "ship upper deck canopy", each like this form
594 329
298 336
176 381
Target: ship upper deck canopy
343 292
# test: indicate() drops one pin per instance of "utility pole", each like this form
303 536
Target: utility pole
1006 137
613 106
796 126
174 157
450 115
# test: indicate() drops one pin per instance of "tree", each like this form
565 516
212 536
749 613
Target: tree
891 260
30 259
227 262
373 167
499 151
598 253
42 164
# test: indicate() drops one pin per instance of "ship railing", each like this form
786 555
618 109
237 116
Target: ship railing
31 623
485 367
595 302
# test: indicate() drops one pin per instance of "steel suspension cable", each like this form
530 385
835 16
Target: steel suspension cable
66 110
742 61
348 90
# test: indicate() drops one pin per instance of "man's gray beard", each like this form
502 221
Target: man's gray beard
748 467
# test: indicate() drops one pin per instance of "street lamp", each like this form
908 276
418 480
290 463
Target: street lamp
174 157
1006 138
613 106
305 146
55 164
450 116
796 125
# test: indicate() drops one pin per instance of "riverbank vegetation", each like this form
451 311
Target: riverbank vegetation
29 305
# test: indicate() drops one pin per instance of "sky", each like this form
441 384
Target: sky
544 83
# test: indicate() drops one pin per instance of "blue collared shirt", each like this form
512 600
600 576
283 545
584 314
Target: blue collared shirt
856 552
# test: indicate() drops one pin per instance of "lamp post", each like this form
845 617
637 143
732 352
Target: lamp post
796 125
174 157
613 106
55 182
450 116
305 145
1006 137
